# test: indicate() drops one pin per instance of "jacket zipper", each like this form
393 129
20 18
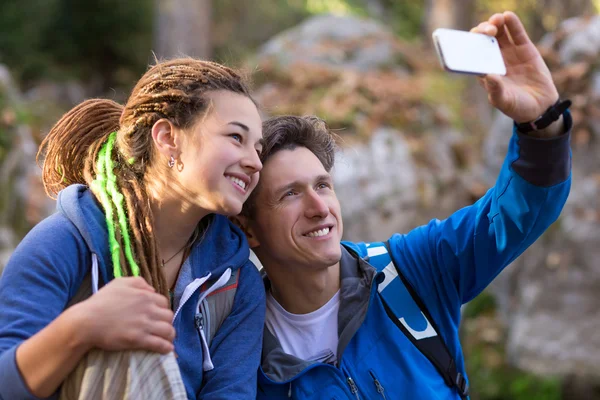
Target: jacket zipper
353 387
378 385
373 288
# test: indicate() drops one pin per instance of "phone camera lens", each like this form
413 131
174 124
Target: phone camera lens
493 40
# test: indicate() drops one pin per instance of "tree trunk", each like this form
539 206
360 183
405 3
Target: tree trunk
548 14
455 14
182 28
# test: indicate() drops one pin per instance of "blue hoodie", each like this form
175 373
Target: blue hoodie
49 265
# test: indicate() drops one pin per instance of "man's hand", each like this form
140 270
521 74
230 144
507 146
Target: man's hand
527 89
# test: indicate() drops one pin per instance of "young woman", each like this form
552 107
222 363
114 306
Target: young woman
144 191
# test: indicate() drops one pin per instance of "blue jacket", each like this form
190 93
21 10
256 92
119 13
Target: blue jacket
49 265
448 263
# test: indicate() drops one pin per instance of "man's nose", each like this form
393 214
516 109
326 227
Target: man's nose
316 206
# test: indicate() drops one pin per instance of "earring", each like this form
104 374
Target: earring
171 162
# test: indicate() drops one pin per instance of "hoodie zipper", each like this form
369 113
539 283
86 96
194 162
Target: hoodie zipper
189 291
353 387
378 385
203 308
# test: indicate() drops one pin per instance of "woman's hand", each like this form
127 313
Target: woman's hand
127 314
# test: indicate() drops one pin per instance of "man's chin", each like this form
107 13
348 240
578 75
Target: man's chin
331 258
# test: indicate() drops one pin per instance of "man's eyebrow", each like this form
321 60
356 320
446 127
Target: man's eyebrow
324 177
243 126
285 188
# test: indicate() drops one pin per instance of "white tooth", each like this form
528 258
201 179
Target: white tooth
318 233
238 182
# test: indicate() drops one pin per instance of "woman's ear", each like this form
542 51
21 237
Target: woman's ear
165 138
244 224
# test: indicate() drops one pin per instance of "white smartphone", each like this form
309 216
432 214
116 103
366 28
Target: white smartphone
468 53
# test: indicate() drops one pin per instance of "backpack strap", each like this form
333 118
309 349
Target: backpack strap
89 285
217 305
400 298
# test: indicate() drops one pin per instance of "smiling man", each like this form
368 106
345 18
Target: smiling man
366 321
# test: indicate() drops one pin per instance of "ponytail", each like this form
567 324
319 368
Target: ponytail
80 148
71 146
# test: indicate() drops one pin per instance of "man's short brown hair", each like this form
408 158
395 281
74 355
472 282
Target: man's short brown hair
289 132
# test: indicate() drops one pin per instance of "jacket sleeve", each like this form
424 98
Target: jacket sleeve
236 347
34 290
458 257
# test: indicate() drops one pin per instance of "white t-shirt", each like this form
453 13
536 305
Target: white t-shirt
310 337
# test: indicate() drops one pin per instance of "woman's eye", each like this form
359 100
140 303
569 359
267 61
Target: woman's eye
237 137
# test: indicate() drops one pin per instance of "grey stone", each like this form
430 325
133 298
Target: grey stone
549 296
346 42
376 184
583 42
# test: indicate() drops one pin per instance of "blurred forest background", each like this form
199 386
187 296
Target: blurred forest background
418 143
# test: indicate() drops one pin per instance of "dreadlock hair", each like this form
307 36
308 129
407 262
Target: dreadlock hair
288 132
109 147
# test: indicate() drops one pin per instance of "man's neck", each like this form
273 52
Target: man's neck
301 291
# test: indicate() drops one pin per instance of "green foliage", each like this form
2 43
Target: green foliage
23 26
405 17
483 304
490 376
111 34
93 39
241 26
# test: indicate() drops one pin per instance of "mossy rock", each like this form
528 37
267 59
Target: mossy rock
490 375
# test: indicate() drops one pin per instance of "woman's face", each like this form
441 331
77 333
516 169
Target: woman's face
219 161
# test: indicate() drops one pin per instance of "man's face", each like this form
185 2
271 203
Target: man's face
297 218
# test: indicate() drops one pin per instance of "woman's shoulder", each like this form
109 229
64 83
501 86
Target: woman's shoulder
54 240
54 228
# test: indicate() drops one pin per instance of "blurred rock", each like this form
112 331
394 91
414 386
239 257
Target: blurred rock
376 183
335 41
23 202
400 157
67 93
549 297
582 43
